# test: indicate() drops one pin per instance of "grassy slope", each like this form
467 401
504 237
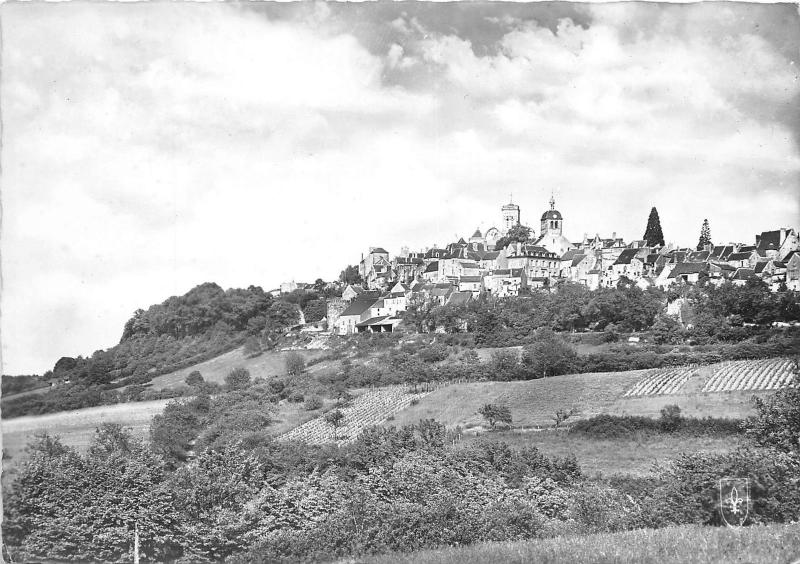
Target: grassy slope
533 402
695 544
265 365
635 456
76 428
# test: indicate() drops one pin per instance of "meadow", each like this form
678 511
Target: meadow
688 544
636 456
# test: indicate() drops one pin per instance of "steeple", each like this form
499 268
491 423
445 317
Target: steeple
552 201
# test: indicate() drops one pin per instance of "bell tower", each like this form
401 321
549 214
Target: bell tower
511 215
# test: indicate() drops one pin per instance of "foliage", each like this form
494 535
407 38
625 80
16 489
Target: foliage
313 403
517 233
495 414
705 236
252 347
549 355
335 419
606 426
777 421
667 330
652 233
237 379
350 275
194 379
295 363
63 505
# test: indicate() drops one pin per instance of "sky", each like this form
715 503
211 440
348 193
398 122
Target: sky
150 147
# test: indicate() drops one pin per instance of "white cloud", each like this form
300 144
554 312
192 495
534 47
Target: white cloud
151 147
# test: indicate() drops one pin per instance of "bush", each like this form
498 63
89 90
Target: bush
237 379
313 403
670 418
495 414
295 364
296 397
195 379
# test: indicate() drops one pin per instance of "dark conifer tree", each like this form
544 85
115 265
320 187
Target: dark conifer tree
653 234
705 236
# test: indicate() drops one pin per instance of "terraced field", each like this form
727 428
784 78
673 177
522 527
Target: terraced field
371 408
767 374
662 381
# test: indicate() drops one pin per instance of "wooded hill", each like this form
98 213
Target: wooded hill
181 331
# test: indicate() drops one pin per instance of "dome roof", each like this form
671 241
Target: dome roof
477 233
551 214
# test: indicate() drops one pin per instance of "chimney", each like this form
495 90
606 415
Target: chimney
614 235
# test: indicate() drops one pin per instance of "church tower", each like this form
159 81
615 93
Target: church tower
552 221
510 216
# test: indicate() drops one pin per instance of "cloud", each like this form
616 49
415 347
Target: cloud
148 148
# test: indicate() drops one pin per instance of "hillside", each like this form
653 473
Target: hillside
700 545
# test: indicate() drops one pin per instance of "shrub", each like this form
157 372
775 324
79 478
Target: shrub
313 403
295 364
296 397
237 379
495 414
670 418
195 379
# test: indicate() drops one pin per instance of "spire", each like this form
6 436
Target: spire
511 197
552 201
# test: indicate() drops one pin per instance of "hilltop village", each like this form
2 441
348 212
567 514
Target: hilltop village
497 263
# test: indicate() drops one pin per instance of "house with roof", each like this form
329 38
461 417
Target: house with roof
777 244
351 292
431 273
471 284
690 272
375 265
537 261
742 275
505 282
792 262
357 311
629 263
743 259
409 267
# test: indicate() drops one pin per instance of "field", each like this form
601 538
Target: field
635 456
265 365
532 403
370 408
688 544
76 428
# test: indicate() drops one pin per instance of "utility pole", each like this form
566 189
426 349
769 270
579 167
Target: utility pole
136 544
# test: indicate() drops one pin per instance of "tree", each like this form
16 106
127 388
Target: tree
705 236
67 506
295 363
549 355
194 379
653 234
495 414
562 415
667 330
350 275
237 379
335 419
777 422
518 233
252 347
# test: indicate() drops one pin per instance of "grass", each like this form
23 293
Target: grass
266 365
635 456
76 428
533 402
687 544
